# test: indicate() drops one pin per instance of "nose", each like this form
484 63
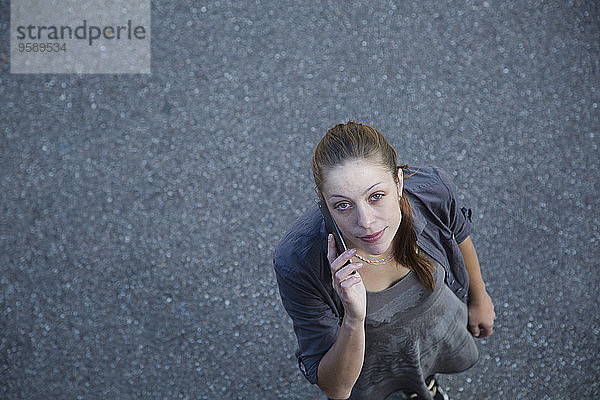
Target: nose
364 216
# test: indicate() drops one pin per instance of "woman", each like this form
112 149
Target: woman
395 308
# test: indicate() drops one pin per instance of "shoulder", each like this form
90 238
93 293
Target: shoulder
302 246
429 180
431 190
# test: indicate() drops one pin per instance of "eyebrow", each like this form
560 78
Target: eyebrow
366 191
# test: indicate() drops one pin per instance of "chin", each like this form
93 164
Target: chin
376 249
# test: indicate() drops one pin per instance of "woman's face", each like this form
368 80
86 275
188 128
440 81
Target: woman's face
363 199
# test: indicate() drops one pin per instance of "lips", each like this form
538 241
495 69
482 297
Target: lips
374 237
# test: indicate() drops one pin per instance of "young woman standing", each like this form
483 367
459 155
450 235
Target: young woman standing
405 300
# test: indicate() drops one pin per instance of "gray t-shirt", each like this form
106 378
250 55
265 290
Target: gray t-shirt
412 333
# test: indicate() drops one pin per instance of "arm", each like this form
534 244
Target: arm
341 365
481 308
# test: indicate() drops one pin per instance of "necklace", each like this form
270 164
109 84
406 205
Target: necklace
381 261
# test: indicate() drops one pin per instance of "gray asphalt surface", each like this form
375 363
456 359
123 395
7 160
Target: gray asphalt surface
139 213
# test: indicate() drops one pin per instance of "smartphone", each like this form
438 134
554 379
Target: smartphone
331 227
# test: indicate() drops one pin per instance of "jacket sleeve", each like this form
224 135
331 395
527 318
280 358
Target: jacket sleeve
315 323
457 219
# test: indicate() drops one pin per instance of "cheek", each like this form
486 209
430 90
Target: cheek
395 213
392 206
345 224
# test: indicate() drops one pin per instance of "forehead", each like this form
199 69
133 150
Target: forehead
355 176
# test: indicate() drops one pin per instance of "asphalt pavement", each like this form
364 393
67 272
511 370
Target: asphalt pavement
139 213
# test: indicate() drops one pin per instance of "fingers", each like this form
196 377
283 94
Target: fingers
352 280
481 330
336 262
348 273
331 249
474 329
485 330
345 279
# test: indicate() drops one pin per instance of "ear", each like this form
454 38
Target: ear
400 181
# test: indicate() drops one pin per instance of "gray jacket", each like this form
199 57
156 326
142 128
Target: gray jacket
304 277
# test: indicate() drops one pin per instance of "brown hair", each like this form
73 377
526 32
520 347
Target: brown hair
353 141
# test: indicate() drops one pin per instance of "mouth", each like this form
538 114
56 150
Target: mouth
374 237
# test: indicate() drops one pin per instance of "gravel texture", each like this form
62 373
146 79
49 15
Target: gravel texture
139 213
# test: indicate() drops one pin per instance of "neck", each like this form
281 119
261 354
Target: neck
380 260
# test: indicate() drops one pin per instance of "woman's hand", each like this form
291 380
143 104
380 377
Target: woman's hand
481 314
347 282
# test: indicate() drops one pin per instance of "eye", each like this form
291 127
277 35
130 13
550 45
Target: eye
377 196
342 206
